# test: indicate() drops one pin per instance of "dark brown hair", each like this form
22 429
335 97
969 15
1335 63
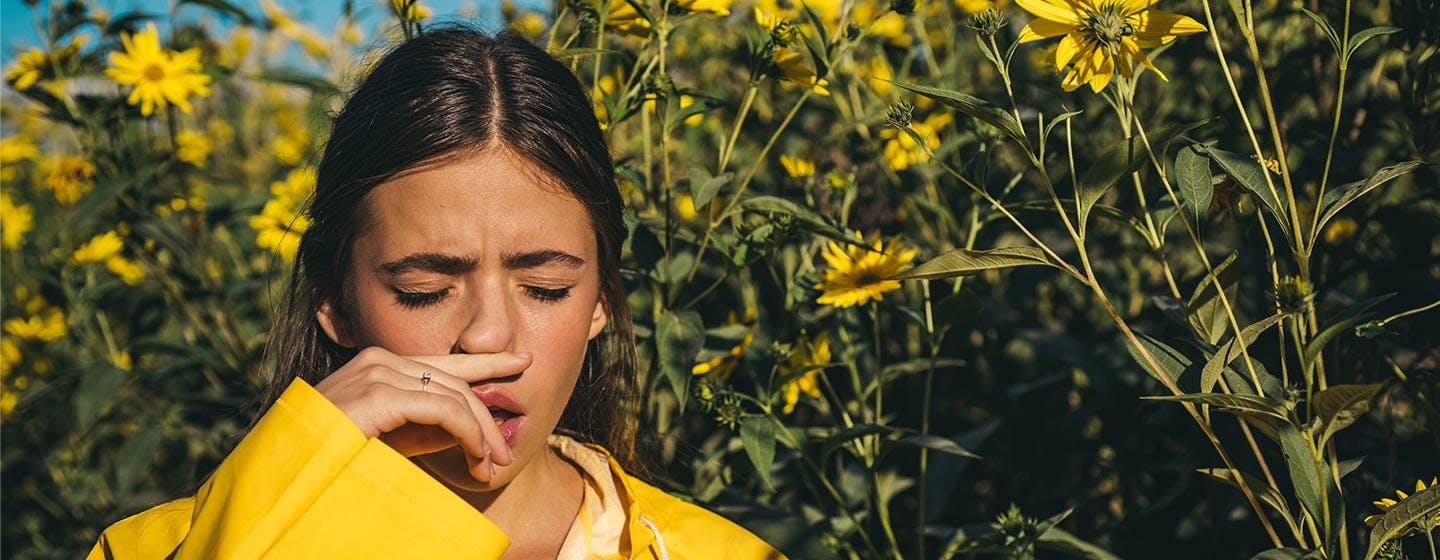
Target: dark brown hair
450 92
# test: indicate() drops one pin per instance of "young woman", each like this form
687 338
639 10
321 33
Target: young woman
457 346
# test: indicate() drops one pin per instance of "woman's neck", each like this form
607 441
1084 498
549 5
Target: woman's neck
538 507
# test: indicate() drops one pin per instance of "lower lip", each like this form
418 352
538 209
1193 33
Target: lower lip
510 428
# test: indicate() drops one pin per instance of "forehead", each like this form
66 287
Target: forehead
484 204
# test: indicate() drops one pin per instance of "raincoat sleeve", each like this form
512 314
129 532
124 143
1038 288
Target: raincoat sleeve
307 483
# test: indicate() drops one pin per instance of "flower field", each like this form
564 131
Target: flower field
920 279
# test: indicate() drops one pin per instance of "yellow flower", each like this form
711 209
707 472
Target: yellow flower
529 24
685 207
129 271
715 7
296 188
1340 230
796 167
98 248
15 220
720 366
1103 36
1386 503
70 178
157 76
351 33
805 362
623 18
279 228
241 41
290 146
29 65
9 357
46 323
193 147
880 75
977 6
412 13
859 274
792 67
882 22
692 120
280 223
15 149
901 150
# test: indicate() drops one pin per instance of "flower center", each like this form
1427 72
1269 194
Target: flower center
154 73
1107 24
867 277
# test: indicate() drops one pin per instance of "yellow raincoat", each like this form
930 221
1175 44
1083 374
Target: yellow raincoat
307 483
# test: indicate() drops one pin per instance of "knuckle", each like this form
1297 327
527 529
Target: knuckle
371 353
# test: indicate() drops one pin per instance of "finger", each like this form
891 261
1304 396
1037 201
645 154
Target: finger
474 368
503 455
446 407
500 451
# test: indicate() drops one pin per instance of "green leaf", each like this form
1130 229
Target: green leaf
582 51
223 7
808 218
840 438
1326 28
679 337
97 390
703 187
965 262
1060 540
1193 182
1253 408
1172 363
1250 175
985 111
1205 310
1340 197
1288 553
1120 160
1340 406
289 76
1366 35
1342 321
135 457
1230 351
936 443
1059 119
1263 491
1420 509
757 432
1305 473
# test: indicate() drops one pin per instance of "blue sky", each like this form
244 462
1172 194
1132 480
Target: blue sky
17 23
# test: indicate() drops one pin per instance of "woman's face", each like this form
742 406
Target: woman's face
479 256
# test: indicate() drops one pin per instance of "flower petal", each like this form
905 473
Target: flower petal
1063 11
1043 29
1157 27
1069 46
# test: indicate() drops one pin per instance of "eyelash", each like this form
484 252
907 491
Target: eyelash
416 300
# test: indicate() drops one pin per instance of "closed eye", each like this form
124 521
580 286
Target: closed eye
547 294
415 300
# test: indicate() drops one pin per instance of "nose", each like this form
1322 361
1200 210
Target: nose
491 325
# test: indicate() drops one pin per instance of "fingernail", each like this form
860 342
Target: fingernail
492 471
485 446
524 355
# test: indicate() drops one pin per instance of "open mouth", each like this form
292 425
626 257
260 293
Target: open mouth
506 412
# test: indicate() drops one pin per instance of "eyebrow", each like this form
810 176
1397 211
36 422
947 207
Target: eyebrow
453 265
